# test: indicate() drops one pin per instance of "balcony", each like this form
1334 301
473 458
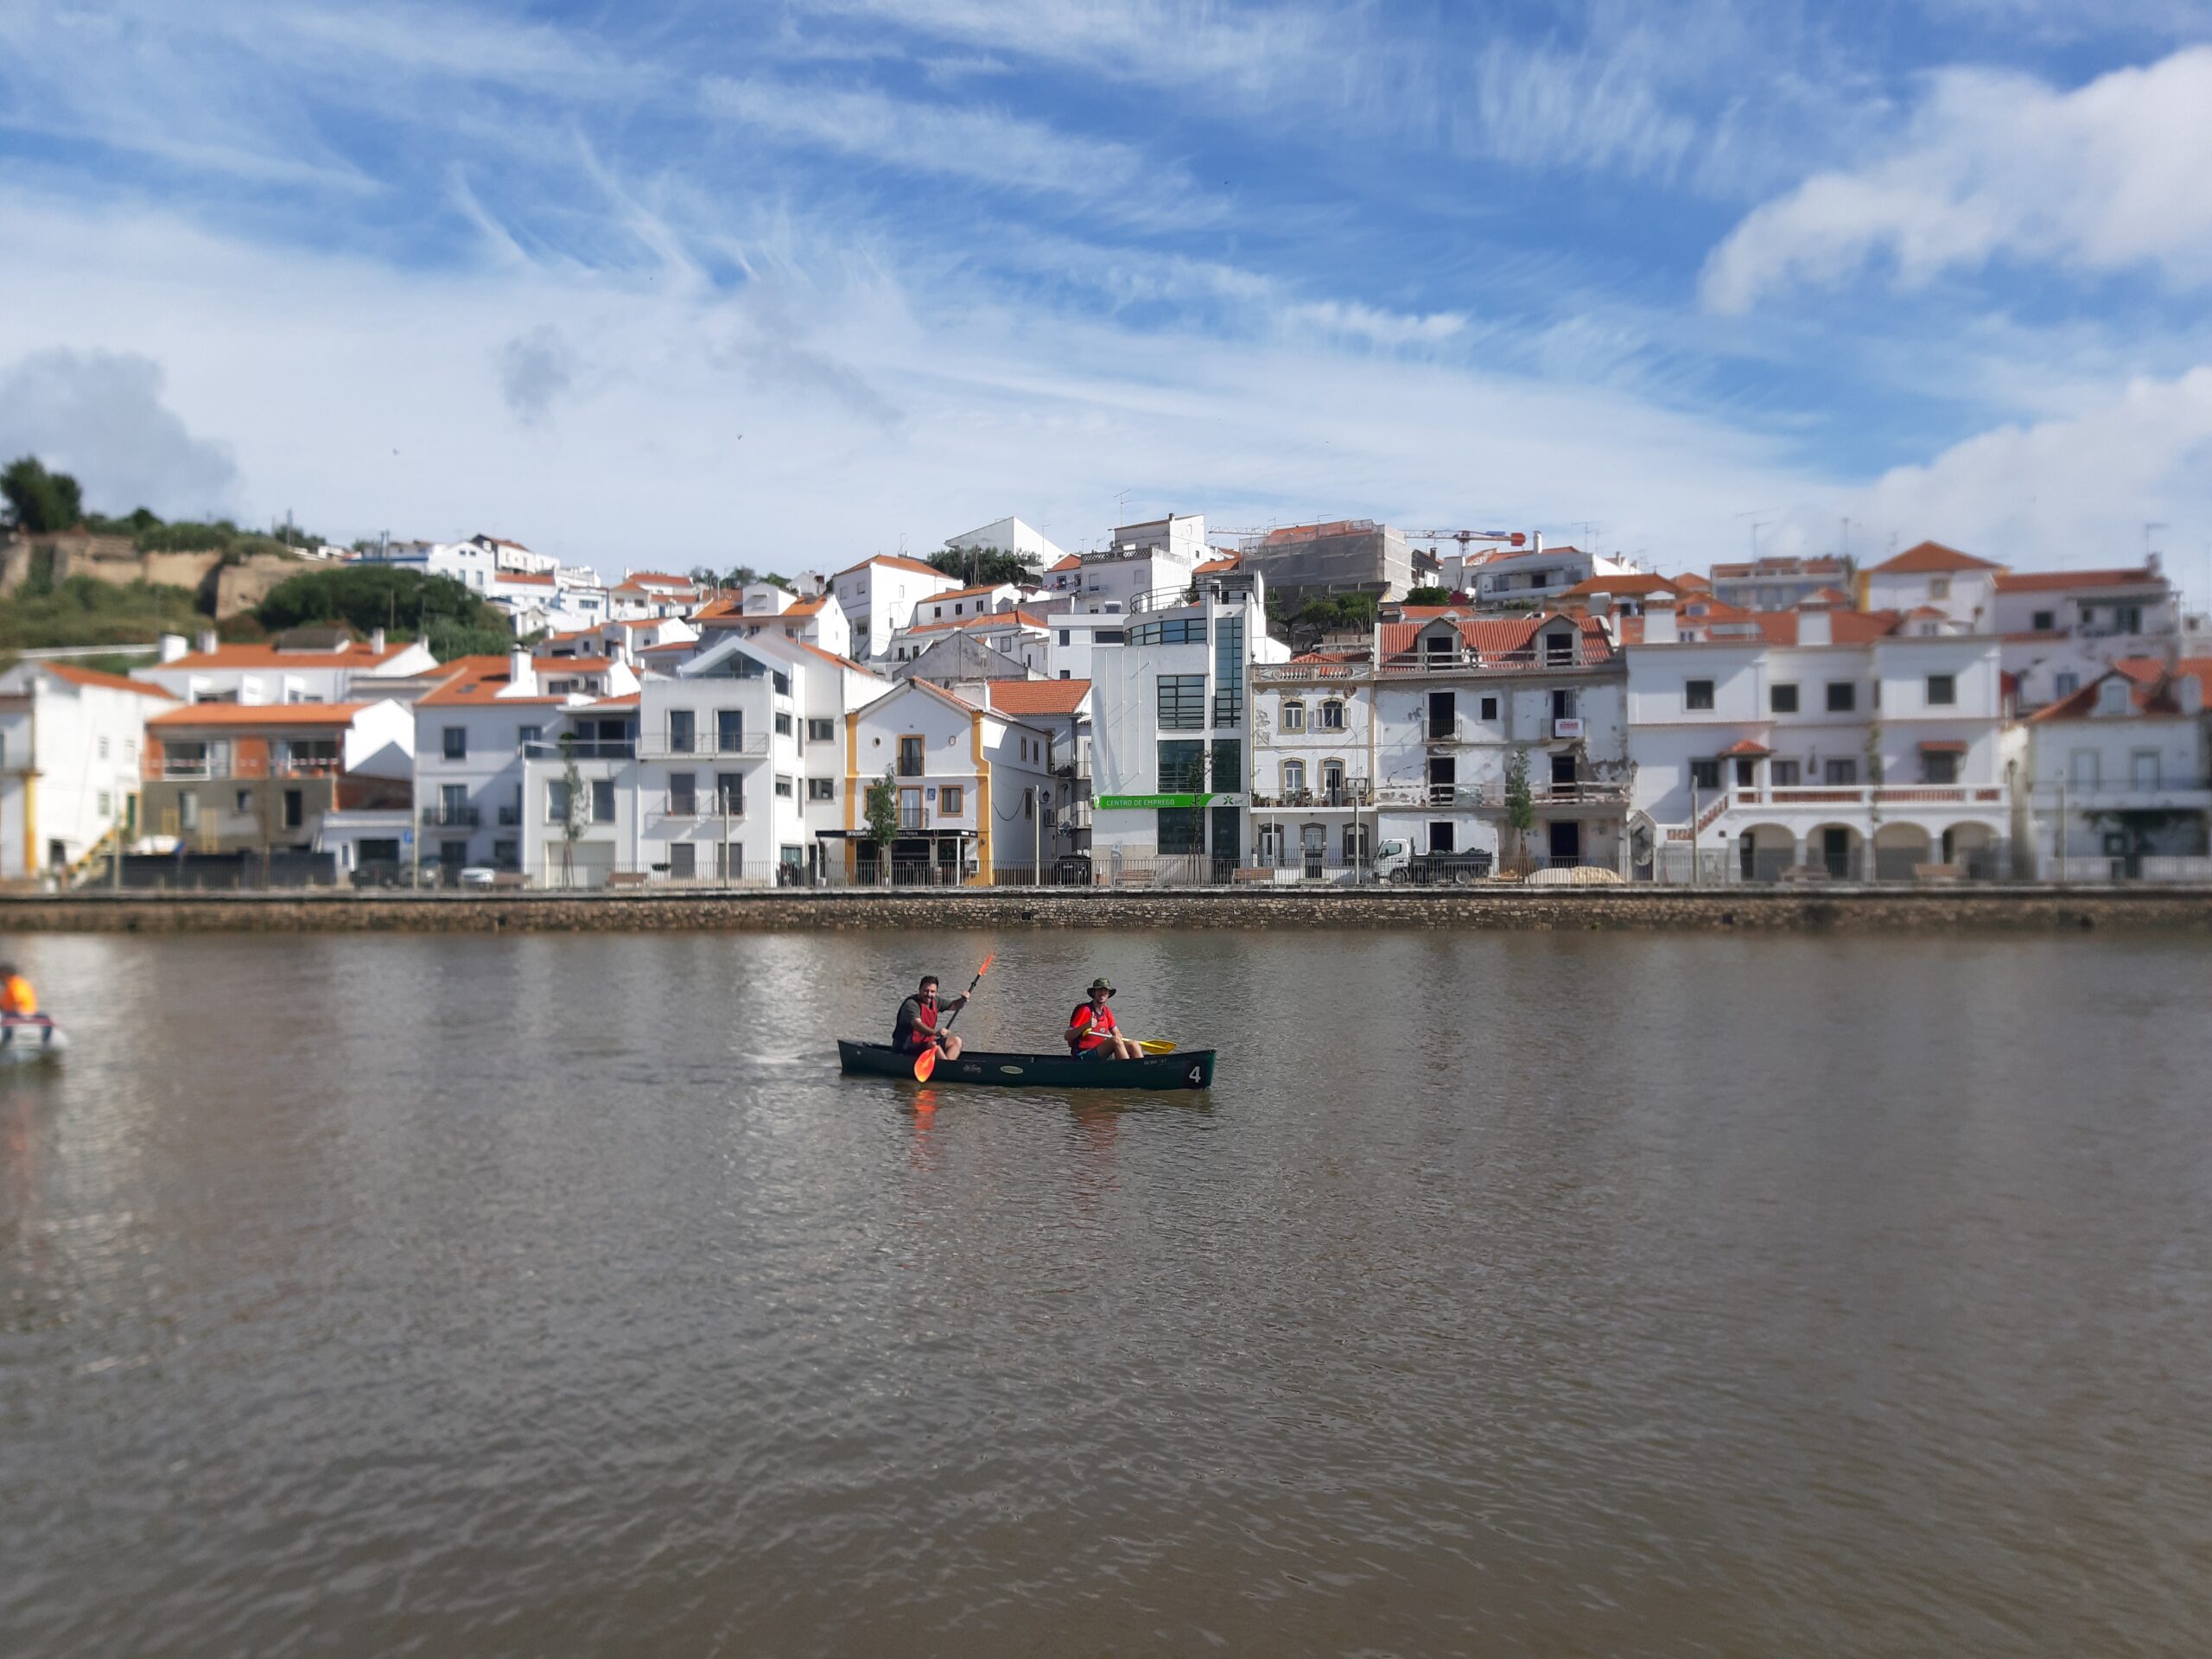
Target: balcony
1584 653
1264 674
1490 796
187 770
583 749
1846 799
510 815
452 817
314 766
659 746
1356 793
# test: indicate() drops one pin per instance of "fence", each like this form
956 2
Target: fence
190 872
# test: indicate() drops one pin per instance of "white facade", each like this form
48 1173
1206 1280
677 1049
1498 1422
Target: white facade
1070 636
1008 536
1931 575
2117 779
71 746
974 787
1855 761
272 673
1019 636
878 597
2063 629
1535 577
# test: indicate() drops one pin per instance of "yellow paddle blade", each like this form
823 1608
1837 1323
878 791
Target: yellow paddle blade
1154 1045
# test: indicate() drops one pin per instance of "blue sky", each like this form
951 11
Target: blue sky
790 284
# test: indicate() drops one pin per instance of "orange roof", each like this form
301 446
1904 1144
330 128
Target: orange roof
1617 586
1072 563
987 620
966 592
1529 553
535 580
1037 697
354 653
2040 581
257 714
897 562
93 677
1494 636
1826 596
1745 746
1214 566
658 578
572 664
474 679
1932 557
832 657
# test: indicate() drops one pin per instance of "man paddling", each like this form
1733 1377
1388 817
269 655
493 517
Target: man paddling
918 1028
1092 1034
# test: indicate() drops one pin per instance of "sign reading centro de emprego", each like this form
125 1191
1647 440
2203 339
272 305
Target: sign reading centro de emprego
1142 803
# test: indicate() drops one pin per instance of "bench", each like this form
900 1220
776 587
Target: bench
1939 875
627 878
510 879
1799 873
1132 878
1261 873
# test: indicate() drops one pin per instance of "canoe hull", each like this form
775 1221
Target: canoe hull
988 1069
28 1040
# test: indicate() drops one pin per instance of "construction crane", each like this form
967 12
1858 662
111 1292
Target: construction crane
1514 538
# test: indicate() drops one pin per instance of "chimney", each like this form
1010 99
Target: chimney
1659 623
1537 545
173 646
520 671
1816 628
376 640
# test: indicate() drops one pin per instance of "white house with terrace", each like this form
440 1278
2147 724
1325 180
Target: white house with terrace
1819 744
972 789
878 597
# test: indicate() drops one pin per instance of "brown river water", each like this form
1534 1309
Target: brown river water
1547 1294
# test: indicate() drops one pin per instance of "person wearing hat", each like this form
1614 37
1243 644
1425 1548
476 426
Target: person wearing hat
1092 1034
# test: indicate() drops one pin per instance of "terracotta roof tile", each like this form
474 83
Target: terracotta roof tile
1039 696
2053 581
76 675
191 715
1932 557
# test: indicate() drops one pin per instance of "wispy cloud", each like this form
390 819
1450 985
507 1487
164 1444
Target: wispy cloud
2105 178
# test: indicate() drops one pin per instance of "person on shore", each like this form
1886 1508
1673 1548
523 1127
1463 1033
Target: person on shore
918 1026
1092 1032
17 1000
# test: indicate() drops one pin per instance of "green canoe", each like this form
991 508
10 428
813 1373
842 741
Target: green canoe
1192 1069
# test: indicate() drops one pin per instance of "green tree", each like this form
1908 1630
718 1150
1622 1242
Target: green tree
444 614
1428 596
84 611
883 819
572 825
981 567
1520 803
41 503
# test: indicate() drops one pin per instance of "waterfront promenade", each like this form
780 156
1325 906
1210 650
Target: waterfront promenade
1501 908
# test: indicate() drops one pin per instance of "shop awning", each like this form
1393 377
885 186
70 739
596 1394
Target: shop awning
1943 746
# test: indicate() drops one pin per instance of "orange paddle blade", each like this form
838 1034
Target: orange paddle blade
986 968
924 1063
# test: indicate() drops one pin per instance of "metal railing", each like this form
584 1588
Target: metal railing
582 749
698 803
1585 653
1356 791
1541 791
452 817
662 746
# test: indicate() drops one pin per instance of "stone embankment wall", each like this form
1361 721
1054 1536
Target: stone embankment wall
2040 910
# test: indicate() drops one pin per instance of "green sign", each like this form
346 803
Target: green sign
1146 802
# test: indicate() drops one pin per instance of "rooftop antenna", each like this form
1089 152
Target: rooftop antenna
2149 525
1758 524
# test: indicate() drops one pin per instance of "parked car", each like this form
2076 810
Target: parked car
479 875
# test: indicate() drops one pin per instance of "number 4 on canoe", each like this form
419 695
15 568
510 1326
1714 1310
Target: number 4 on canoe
925 1061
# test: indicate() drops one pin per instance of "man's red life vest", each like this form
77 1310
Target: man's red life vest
1094 1035
924 1034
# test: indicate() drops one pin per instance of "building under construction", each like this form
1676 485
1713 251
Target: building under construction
1350 556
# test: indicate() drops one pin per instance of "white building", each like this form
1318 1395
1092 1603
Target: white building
878 597
1146 564
470 734
1171 729
2115 779
653 592
1020 636
741 761
1929 575
2064 628
478 562
1535 577
71 743
1416 739
1008 536
1781 584
972 787
1061 709
1070 636
1804 741
308 666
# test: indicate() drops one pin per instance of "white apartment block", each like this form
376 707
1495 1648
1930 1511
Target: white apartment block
71 747
1143 566
1416 739
1534 576
1847 745
1008 536
314 669
878 597
2064 628
1020 637
2115 779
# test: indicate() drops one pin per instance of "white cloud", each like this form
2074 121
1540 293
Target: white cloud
1351 320
2106 178
101 417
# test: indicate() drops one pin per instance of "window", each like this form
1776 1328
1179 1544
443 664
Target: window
1333 779
1293 778
1939 586
187 808
1293 716
295 808
1110 637
729 730
1705 776
1782 699
1332 715
2143 770
505 854
107 804
1182 831
602 800
821 731
103 756
1842 773
1439 836
821 789
1182 702
1489 708
1698 694
244 803
1179 631
1227 760
1063 673
1063 636
1182 766
1939 768
1562 702
910 808
783 725
2044 621
530 733
683 860
1843 697
729 793
782 682
1559 647
452 801
2065 684
910 757
1782 774
683 794
456 743
951 800
1942 690
783 787
683 730
2081 768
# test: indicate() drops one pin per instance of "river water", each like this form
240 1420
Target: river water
1507 1294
